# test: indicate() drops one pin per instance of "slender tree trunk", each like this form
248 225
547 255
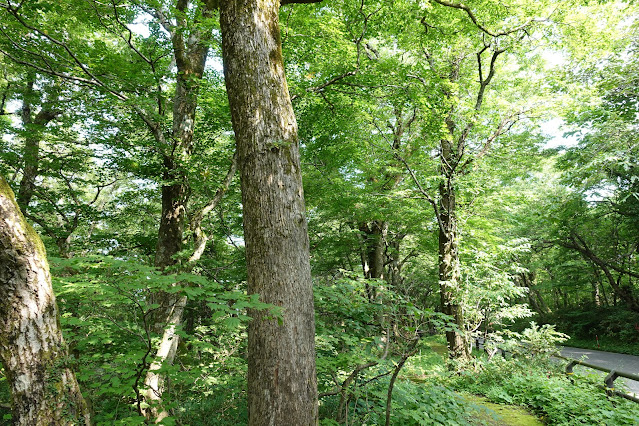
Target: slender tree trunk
33 127
601 286
395 263
596 294
624 293
536 300
449 273
282 385
190 56
373 248
542 303
44 390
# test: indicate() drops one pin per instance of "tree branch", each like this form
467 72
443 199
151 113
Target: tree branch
473 18
285 2
196 222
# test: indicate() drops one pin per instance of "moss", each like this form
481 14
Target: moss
6 190
32 235
497 414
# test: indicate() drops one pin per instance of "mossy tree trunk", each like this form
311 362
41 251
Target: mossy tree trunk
282 385
44 390
450 285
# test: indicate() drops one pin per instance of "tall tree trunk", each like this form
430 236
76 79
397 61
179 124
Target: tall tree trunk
596 294
395 262
190 56
449 273
282 385
33 127
373 248
44 390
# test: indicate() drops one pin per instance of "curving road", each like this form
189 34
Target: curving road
613 361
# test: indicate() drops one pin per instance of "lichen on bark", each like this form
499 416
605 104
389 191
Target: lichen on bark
33 353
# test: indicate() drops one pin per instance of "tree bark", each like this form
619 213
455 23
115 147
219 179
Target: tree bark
372 253
282 385
33 127
449 270
44 390
395 263
373 248
190 56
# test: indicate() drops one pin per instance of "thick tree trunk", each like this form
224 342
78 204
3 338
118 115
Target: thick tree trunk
44 390
449 286
282 386
373 248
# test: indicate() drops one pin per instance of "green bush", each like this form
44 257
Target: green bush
548 392
413 404
611 328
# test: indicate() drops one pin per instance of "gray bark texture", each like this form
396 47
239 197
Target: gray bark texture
31 154
449 273
282 385
190 52
44 390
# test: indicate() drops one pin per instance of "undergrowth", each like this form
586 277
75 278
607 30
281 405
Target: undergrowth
544 389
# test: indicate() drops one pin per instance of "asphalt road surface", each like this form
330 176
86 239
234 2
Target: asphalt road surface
618 362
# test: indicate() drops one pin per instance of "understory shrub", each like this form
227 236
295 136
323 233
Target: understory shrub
413 404
546 390
612 328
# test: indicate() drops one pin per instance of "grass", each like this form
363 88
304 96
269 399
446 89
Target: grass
428 367
500 414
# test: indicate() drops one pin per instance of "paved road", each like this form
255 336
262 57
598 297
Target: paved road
610 360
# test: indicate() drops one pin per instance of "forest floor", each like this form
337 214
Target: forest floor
493 414
489 413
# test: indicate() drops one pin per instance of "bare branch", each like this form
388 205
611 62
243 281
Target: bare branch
285 2
483 83
161 16
321 87
425 195
127 39
197 218
64 46
52 72
503 127
196 222
473 18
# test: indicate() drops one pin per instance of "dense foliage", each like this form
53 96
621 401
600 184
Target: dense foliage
467 168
